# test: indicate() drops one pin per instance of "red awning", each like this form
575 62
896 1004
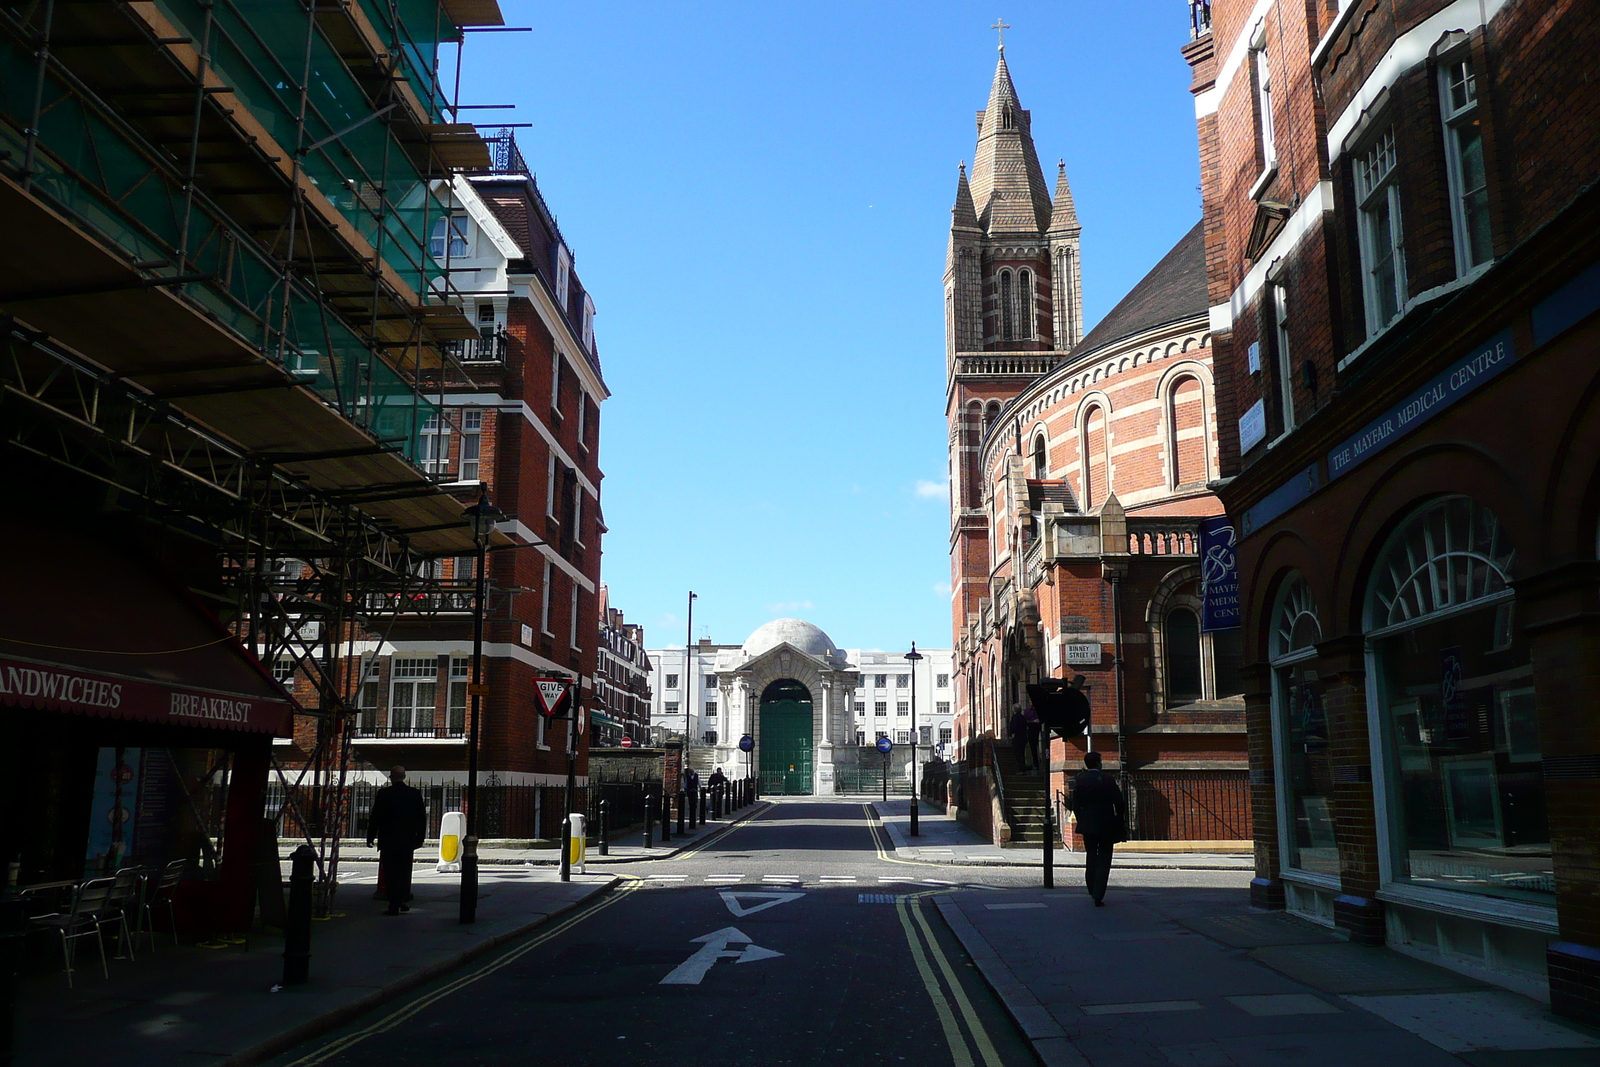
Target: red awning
87 629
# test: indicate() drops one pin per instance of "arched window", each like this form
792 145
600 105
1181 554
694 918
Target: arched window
990 414
1093 461
1008 310
1455 707
1300 733
1041 458
1025 305
1186 443
1182 633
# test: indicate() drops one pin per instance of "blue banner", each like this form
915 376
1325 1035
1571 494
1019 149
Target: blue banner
1219 574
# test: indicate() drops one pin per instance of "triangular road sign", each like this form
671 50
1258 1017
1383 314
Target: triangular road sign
771 900
552 694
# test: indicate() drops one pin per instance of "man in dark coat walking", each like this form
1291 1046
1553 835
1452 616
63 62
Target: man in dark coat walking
399 822
1102 813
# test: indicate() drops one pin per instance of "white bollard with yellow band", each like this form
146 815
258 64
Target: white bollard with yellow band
577 845
452 829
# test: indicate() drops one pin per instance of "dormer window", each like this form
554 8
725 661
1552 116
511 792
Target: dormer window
563 276
588 324
449 237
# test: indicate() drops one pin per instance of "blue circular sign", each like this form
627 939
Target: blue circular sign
884 745
746 743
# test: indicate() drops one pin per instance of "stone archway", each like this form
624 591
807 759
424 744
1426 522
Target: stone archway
787 716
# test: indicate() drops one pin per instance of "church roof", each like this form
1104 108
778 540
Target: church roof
963 215
1064 216
1007 184
1174 289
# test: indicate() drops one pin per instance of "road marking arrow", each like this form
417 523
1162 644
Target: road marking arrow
772 900
715 946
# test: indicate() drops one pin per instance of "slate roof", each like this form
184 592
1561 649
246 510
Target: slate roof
1174 289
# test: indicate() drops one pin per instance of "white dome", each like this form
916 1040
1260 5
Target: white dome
797 632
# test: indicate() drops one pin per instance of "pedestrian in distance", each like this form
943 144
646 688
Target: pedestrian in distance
399 822
1030 719
1101 812
1018 727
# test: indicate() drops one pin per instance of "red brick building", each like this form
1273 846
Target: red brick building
1404 266
1078 468
520 415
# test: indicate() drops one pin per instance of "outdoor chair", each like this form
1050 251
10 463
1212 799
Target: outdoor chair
160 895
81 919
123 905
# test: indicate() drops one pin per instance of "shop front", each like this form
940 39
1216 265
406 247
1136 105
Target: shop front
138 730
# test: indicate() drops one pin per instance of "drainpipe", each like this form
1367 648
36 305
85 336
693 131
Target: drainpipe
1113 568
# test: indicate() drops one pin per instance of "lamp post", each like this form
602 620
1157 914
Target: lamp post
482 516
914 657
688 680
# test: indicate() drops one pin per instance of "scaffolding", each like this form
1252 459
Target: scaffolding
225 296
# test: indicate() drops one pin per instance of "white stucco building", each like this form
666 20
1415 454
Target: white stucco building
814 710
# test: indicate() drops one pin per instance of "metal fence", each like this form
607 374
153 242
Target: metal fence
1189 806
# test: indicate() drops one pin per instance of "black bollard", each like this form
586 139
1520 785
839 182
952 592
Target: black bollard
649 810
705 798
297 927
1049 844
566 849
605 840
681 806
13 944
469 880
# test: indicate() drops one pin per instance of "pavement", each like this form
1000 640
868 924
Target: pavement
941 839
1194 977
626 848
199 1005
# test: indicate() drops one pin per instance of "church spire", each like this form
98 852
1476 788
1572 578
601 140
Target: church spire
963 215
1008 186
1065 215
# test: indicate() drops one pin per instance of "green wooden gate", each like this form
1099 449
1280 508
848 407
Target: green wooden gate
786 741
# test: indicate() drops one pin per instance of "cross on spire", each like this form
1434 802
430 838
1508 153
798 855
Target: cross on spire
1002 26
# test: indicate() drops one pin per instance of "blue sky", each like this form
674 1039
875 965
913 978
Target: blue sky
758 197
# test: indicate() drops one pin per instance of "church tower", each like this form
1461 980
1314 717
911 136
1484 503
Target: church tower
1013 310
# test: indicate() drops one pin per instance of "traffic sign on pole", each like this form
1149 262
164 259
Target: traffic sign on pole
553 695
746 743
885 745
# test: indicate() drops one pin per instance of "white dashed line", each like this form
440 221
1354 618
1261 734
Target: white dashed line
837 878
724 878
787 879
666 877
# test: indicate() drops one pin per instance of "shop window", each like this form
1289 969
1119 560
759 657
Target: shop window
1183 657
1300 730
148 806
1455 707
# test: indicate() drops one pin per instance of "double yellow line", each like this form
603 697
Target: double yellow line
909 909
394 1019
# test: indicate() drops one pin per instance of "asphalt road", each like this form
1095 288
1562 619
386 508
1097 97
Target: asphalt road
795 937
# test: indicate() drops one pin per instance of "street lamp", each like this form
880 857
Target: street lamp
914 657
482 516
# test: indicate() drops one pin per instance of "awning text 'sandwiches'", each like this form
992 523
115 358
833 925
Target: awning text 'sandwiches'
55 688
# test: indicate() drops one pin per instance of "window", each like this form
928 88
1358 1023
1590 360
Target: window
942 708
555 382
1093 467
861 738
1183 656
711 737
456 227
1469 187
671 707
944 735
1300 731
550 488
902 707
1263 71
369 698
927 735
1378 203
583 420
1025 312
283 670
941 681
577 508
471 445
434 448
880 708
1008 310
1041 459
711 709
460 672
902 680
588 323
572 629
563 277
902 737
861 710
1280 346
1455 707
544 603
672 681
414 685
880 681
711 681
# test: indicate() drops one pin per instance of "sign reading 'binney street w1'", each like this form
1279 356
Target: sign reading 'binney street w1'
1460 378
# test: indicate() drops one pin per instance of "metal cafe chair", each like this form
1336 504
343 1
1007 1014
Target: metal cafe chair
160 895
81 919
123 904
